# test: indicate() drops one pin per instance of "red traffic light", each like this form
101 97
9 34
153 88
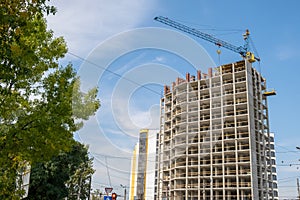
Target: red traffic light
114 196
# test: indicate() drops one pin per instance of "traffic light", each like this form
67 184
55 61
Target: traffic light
114 196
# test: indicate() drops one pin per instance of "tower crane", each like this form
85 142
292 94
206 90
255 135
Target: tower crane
244 50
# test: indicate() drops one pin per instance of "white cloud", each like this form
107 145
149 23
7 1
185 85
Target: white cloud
84 24
146 119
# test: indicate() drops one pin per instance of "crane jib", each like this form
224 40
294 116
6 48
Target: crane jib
221 43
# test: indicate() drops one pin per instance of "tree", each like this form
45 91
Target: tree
96 194
41 105
79 183
62 176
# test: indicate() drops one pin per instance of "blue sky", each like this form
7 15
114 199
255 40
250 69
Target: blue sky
94 30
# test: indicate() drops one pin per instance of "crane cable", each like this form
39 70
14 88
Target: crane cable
255 53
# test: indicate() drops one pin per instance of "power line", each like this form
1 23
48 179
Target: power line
107 171
292 164
117 157
114 73
110 156
287 150
114 169
291 177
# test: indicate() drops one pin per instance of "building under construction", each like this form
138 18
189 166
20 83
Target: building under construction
214 140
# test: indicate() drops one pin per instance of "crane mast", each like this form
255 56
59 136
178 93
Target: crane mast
242 50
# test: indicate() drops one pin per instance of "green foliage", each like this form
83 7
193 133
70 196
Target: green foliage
79 183
62 176
40 103
96 195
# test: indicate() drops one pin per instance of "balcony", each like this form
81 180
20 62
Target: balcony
204 117
215 84
228 81
241 112
216 105
228 103
241 79
229 136
193 99
227 70
202 87
217 94
229 125
204 96
193 119
244 172
243 159
241 100
227 92
203 107
228 113
193 151
181 91
239 90
193 130
180 142
230 172
216 126
242 123
245 184
191 109
204 128
178 122
239 68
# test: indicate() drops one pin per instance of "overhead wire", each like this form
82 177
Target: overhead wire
114 73
155 92
107 170
110 156
114 169
116 157
288 150
129 80
291 177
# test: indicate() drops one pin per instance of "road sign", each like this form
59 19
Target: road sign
108 190
107 198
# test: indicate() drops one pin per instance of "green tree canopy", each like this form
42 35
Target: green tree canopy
66 175
41 104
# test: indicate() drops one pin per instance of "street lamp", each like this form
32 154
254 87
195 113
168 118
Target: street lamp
123 186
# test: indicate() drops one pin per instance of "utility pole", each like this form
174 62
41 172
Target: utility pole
298 188
125 193
124 186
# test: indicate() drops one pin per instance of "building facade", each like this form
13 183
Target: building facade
273 162
143 166
214 141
